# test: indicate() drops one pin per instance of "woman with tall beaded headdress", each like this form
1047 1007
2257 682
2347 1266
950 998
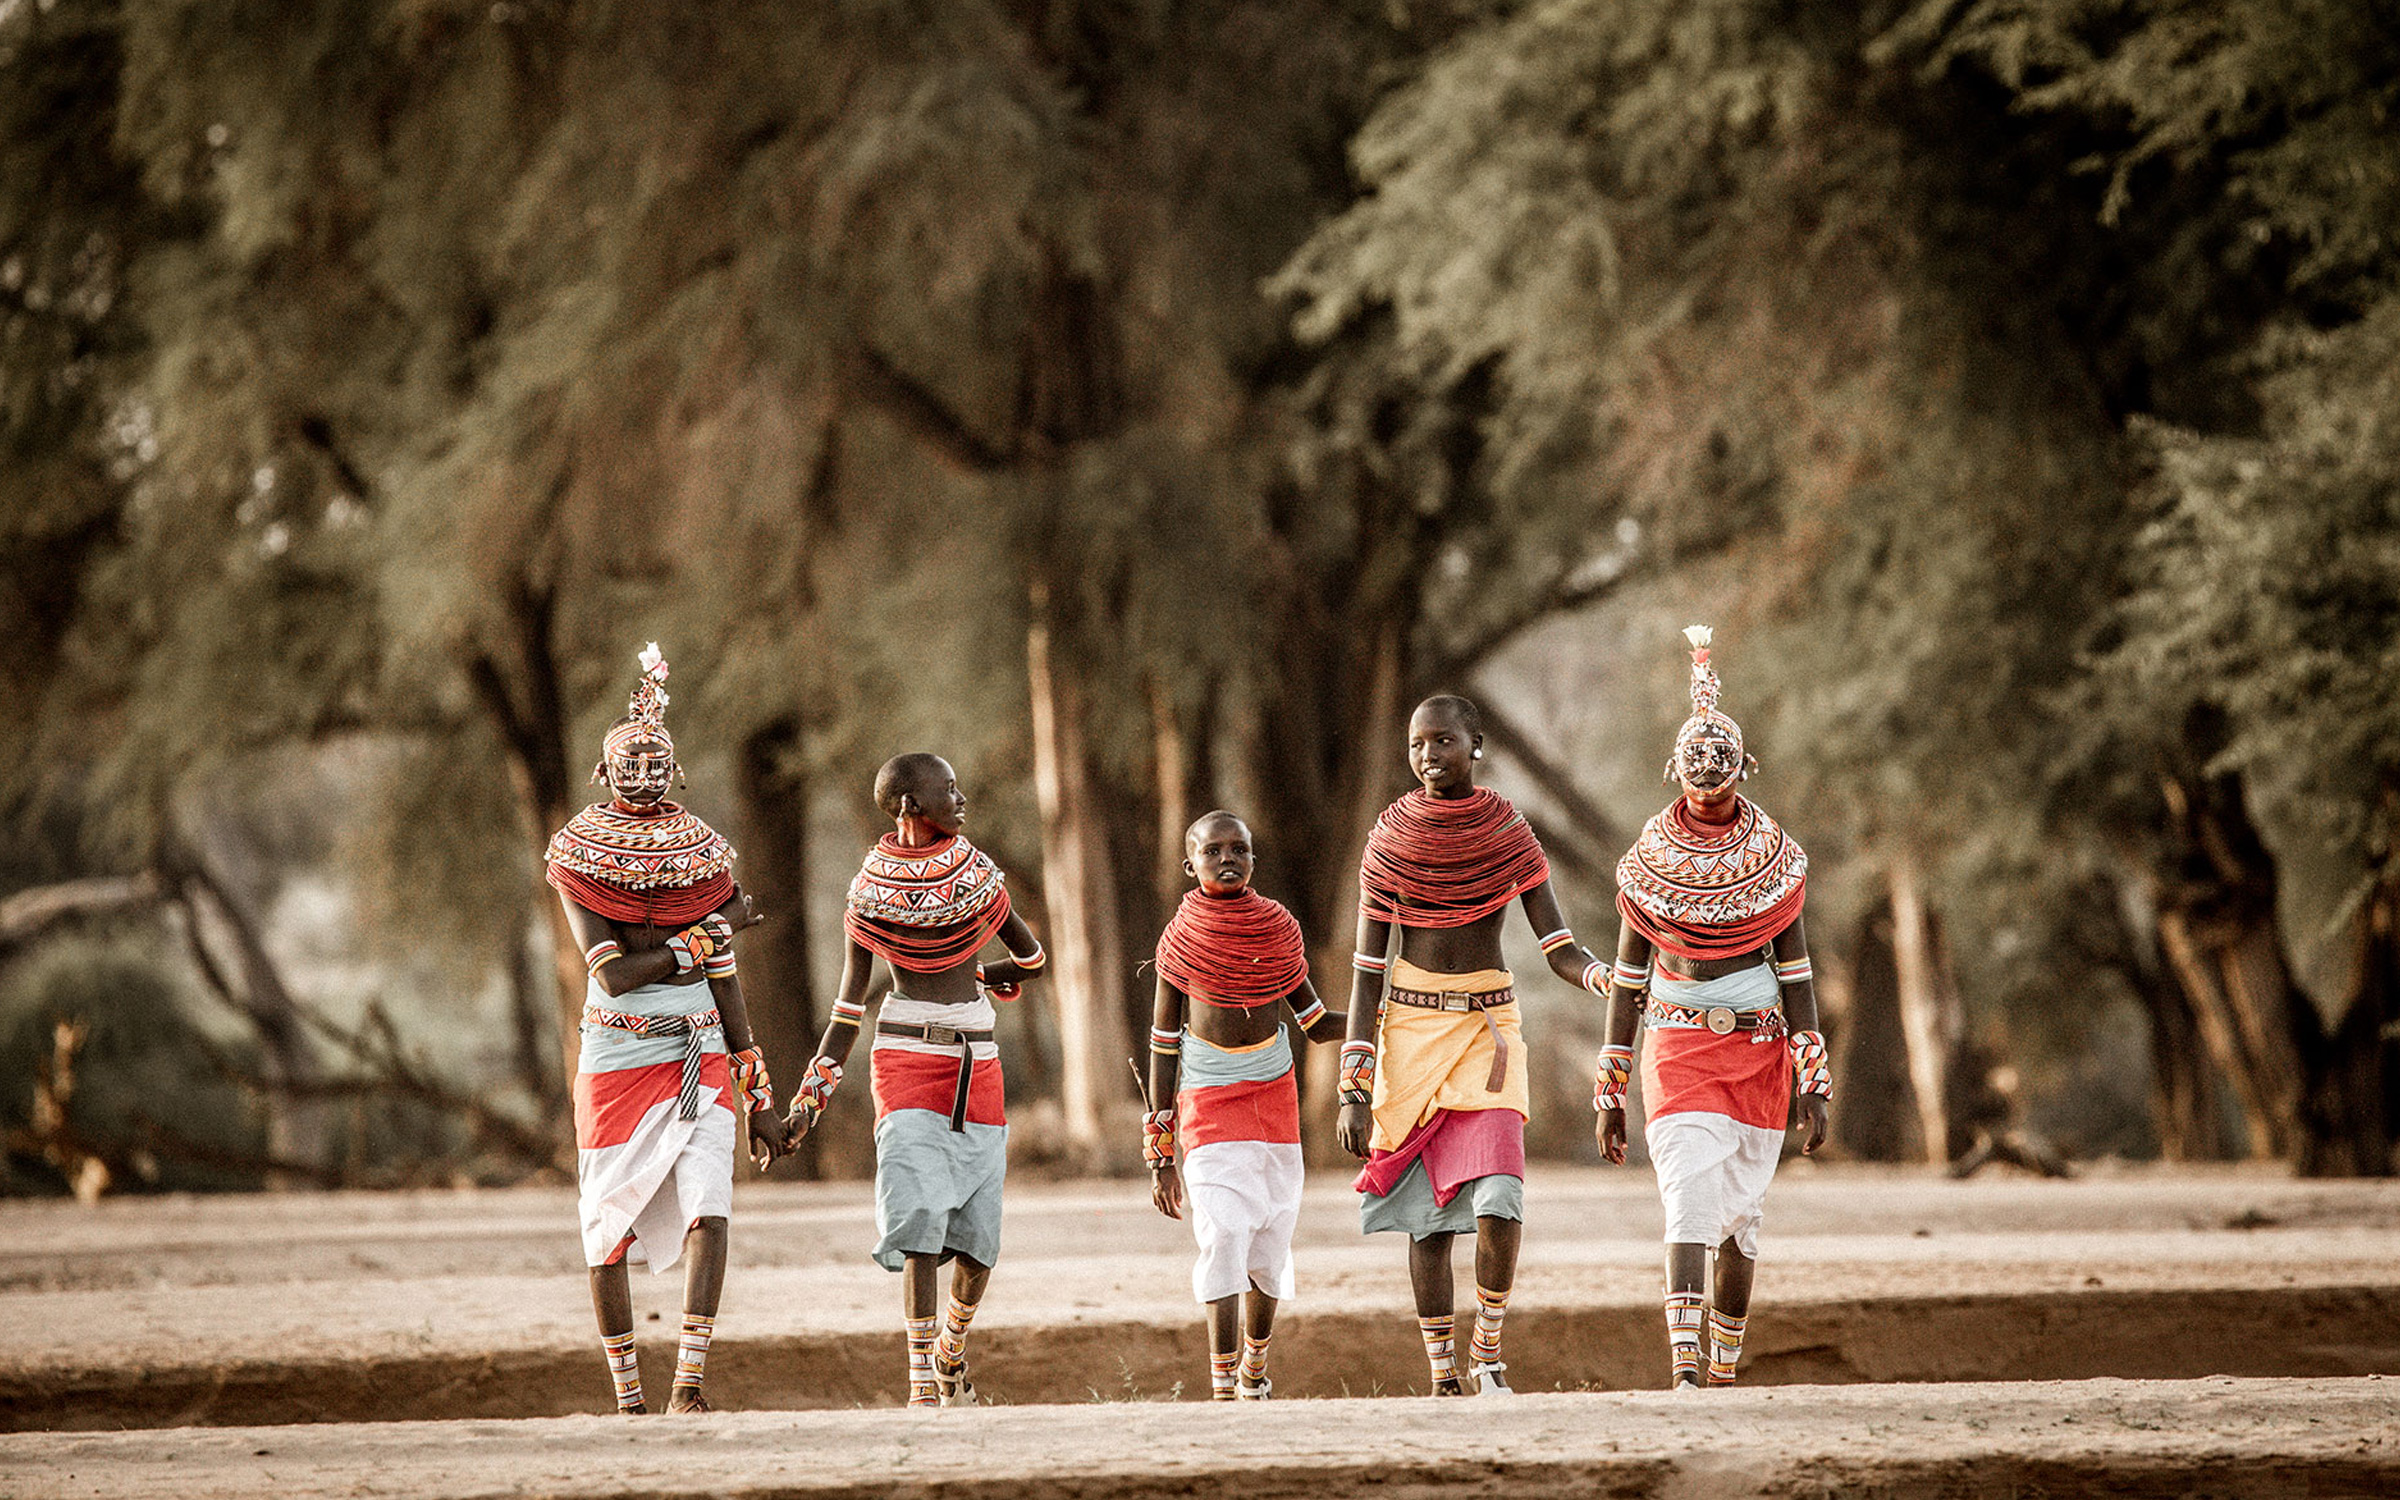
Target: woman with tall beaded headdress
666 1047
1711 895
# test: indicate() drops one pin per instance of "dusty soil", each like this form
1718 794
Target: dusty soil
2255 1439
155 1313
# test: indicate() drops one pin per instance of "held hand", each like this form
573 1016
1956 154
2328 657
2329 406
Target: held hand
1812 1123
1610 1133
1353 1128
770 1137
1166 1191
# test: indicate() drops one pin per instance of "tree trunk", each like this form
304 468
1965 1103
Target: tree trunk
2183 1097
1377 737
777 959
1087 952
529 715
541 814
1875 1120
528 1004
1170 752
1931 1017
2352 1112
2192 951
2321 1100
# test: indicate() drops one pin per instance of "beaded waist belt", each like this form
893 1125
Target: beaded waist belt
1470 1001
1766 1022
690 1028
946 1036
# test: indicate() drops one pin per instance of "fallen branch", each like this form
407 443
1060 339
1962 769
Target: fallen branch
28 914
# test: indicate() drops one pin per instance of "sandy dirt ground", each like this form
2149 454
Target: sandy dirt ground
2256 1439
442 1344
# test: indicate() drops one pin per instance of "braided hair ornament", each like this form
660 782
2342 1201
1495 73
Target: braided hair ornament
1708 748
632 747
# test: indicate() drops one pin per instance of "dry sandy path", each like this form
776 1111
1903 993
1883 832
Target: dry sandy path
2251 1438
350 1307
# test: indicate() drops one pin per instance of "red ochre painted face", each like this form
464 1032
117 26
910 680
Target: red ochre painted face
1217 852
1441 752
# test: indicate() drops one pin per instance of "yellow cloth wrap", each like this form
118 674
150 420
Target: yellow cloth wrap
1430 1060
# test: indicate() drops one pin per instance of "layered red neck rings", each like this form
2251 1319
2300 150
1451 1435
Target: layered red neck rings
1448 861
1237 952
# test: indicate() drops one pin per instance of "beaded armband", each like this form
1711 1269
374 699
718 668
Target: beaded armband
1630 976
1165 1043
1358 1073
751 1081
1794 970
1613 1078
1552 942
1812 1071
1309 1014
1369 963
816 1088
601 952
1595 977
719 963
693 945
849 1013
1031 964
1158 1138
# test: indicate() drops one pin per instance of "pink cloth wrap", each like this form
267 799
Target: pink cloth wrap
1458 1146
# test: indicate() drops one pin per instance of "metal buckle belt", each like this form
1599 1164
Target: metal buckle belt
1473 1003
945 1036
1723 1020
691 1028
1454 999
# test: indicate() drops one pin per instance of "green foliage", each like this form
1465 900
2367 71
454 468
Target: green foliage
2270 581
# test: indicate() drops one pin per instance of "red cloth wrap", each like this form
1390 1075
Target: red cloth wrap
955 877
609 1105
1686 1069
1458 1146
1265 1111
1233 952
675 906
1447 861
924 1080
1712 890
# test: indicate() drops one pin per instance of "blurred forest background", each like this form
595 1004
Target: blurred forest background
1143 402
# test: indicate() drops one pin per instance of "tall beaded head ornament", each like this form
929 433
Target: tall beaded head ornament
1708 748
628 749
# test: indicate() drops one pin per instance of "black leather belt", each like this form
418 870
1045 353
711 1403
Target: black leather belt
945 1036
1470 1001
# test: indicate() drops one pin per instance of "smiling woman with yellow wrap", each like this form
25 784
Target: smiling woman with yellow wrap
1433 1074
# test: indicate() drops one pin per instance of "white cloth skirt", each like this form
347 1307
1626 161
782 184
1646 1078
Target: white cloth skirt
1243 1201
1713 1173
